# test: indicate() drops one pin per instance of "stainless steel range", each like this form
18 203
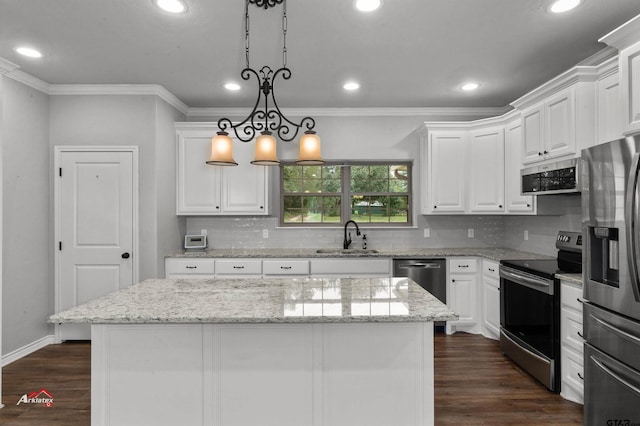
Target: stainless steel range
530 309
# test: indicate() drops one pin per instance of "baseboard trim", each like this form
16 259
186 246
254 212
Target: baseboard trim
27 349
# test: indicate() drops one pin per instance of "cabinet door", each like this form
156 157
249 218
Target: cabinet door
629 61
533 134
609 115
244 187
198 184
486 170
491 306
560 125
515 202
463 297
447 171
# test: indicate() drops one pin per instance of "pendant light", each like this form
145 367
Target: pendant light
268 122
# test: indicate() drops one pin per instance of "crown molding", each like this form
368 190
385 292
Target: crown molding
358 112
30 81
625 35
500 120
566 79
119 89
7 66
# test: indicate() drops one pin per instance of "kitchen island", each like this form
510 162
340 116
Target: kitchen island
263 352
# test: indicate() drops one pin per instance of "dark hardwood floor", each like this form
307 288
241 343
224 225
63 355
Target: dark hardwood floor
474 384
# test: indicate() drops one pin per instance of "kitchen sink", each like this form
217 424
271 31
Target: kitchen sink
346 251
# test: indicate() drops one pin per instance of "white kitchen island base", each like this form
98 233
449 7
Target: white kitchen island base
320 374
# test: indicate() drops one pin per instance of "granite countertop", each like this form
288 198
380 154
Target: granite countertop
496 254
310 300
574 278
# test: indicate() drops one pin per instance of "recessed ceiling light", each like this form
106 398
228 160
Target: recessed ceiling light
232 87
560 6
351 86
171 6
468 87
28 52
367 5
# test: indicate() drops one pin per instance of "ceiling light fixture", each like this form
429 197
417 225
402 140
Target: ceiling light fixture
28 52
232 87
560 6
171 6
351 86
468 87
367 5
270 120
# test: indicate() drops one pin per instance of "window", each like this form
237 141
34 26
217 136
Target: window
329 195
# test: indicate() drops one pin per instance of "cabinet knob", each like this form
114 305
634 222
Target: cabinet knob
500 206
528 205
546 152
125 255
261 207
217 207
435 207
453 281
540 154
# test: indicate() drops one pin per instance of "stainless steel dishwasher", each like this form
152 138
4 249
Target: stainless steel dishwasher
430 274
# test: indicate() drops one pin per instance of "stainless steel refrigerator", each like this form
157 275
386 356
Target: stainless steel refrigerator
610 175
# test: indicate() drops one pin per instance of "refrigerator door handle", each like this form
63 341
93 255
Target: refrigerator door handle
616 330
632 219
607 370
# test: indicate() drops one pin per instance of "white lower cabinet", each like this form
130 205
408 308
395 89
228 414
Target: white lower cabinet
189 268
285 268
572 343
238 268
462 295
490 299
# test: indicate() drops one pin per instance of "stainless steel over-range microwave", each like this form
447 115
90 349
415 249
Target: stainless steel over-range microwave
553 178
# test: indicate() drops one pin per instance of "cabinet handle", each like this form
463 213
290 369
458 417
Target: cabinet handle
540 154
580 334
546 152
453 281
435 207
261 207
285 267
500 206
217 207
528 205
463 266
580 375
238 267
191 267
491 270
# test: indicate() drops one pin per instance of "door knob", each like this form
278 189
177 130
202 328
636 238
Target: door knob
125 255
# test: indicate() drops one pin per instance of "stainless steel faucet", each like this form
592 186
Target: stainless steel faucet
347 237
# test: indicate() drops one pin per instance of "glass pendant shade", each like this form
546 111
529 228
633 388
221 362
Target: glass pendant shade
266 150
310 149
221 150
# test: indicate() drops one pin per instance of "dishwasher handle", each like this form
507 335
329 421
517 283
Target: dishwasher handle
421 265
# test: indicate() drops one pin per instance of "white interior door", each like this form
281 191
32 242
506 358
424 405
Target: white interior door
96 228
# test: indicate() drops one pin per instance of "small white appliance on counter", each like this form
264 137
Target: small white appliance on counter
195 242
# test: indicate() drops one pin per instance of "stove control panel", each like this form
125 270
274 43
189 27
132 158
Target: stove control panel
569 241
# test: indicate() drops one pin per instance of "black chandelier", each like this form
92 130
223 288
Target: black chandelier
266 121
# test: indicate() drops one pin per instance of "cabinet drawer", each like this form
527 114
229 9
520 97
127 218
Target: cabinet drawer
490 269
572 376
462 265
285 267
569 296
189 267
571 329
239 267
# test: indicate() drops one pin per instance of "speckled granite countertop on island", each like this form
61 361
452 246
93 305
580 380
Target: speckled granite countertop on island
491 253
310 300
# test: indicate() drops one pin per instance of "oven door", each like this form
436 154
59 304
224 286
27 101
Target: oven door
529 324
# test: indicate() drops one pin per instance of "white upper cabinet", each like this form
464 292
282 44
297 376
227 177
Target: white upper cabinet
626 39
549 128
515 201
609 108
486 170
444 172
214 190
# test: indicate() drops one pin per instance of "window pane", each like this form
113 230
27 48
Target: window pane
293 185
331 172
312 186
399 176
331 185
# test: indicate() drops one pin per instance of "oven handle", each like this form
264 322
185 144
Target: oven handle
523 279
614 375
616 330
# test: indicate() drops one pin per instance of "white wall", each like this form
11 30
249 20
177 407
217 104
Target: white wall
27 283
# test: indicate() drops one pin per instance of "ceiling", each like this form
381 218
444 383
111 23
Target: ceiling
409 53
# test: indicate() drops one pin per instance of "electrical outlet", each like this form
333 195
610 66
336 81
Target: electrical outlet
203 232
526 235
427 232
470 232
265 233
